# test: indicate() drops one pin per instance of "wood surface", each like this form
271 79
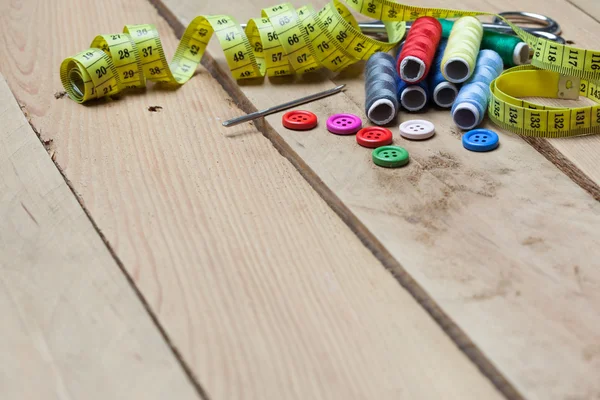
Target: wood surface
581 30
504 242
72 326
589 7
260 287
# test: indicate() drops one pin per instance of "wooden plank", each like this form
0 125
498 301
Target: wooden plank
581 30
260 286
589 7
493 238
72 327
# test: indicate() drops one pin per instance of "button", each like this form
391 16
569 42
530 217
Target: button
480 140
299 120
374 136
390 156
417 129
344 124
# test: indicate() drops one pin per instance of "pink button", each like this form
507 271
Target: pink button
344 124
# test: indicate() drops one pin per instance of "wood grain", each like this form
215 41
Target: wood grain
263 290
504 242
589 7
582 31
72 327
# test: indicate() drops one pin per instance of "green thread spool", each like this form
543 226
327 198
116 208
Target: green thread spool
462 50
512 49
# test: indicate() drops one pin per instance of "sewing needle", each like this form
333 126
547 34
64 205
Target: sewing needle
284 106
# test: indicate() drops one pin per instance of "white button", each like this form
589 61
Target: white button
418 129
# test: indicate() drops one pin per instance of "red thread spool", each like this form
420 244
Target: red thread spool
419 49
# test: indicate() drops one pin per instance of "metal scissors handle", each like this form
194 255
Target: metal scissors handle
547 23
548 28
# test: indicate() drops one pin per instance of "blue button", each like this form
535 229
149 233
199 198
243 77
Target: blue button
480 140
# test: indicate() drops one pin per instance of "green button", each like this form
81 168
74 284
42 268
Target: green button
390 156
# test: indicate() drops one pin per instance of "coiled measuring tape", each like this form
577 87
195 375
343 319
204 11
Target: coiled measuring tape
507 110
285 41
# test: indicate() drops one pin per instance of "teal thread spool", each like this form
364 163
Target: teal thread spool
511 48
446 27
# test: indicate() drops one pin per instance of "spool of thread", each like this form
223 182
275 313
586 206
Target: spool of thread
419 49
443 93
511 48
413 97
472 100
446 27
462 49
381 105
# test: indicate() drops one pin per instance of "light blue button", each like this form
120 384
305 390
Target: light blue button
480 140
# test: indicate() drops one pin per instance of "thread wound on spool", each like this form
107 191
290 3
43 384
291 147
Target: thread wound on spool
419 49
462 49
381 105
413 97
511 48
443 92
520 54
446 27
472 100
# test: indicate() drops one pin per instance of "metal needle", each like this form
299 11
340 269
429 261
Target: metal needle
280 107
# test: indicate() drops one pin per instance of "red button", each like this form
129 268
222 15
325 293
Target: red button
374 136
299 120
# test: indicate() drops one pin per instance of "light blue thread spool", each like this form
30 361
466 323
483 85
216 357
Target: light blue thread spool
443 93
472 100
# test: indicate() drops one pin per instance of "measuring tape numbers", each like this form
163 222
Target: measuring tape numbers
507 110
283 41
287 41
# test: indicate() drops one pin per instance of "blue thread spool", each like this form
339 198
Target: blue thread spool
472 100
413 97
443 93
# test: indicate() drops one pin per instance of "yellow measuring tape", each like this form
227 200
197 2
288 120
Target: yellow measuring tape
285 41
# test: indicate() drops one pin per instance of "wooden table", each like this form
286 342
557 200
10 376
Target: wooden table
153 255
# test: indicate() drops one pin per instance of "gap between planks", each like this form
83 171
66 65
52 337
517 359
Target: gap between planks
224 79
82 285
458 336
409 349
184 366
587 7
